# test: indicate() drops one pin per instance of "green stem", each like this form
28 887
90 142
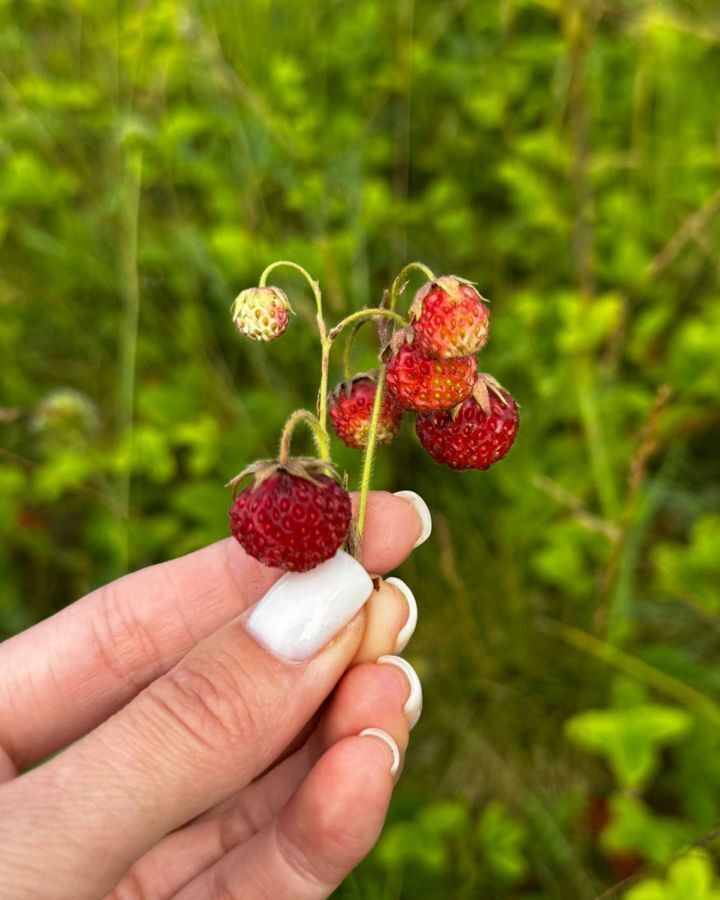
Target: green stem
637 668
325 345
347 350
368 459
399 284
314 286
363 314
370 453
322 401
319 435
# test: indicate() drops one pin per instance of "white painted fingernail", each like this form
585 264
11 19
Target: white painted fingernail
408 629
387 739
304 610
413 704
423 514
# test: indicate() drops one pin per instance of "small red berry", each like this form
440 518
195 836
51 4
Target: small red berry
422 384
292 517
261 313
476 434
449 318
350 409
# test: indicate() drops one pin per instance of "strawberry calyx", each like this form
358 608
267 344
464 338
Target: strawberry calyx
401 337
450 285
308 468
345 387
484 384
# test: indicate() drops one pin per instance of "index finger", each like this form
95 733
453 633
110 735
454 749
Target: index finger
61 678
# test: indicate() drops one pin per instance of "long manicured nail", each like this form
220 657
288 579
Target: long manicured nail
386 739
304 610
413 704
408 629
423 514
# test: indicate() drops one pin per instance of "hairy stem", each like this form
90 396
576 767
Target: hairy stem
322 401
362 315
370 453
319 435
399 284
347 350
325 345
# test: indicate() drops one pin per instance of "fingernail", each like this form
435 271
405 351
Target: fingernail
408 629
413 704
387 739
423 514
304 610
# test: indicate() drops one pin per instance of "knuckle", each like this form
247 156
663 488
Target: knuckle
341 843
225 887
238 825
203 699
130 888
309 869
120 639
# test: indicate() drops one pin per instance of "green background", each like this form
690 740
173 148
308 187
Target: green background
155 156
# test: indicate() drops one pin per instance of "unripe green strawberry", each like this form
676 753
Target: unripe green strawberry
261 313
449 318
350 410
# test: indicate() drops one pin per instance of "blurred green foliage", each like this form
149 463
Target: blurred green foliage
155 156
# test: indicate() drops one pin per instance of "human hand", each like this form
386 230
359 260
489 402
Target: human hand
197 763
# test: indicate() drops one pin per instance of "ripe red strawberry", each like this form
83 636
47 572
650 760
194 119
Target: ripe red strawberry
293 516
351 406
261 313
476 434
449 318
422 384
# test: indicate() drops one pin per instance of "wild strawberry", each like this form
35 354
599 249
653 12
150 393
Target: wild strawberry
476 434
351 406
292 516
261 313
449 318
422 384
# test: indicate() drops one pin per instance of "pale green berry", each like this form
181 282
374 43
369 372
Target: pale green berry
261 313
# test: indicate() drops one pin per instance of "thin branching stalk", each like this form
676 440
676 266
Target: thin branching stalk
318 424
398 286
325 347
363 314
347 350
319 435
369 456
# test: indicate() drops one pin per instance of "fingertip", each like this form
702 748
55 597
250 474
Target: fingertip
391 620
422 511
393 528
411 617
336 816
357 776
369 696
388 741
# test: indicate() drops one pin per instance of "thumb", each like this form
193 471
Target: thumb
201 731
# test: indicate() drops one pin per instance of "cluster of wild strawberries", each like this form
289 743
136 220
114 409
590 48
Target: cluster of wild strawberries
296 513
465 419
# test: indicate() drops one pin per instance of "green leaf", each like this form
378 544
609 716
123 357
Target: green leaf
502 839
634 827
689 878
629 738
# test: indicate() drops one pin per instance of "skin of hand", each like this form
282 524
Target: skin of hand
188 760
